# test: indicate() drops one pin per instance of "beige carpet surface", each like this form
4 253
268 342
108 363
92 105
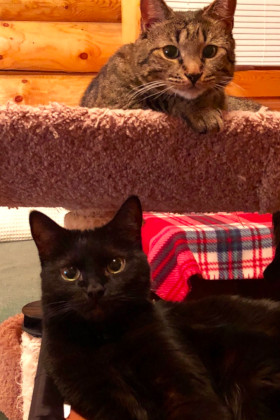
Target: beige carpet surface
80 158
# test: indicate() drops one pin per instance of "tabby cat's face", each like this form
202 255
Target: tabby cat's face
91 273
186 53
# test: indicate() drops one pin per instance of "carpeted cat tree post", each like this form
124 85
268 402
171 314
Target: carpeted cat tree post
90 160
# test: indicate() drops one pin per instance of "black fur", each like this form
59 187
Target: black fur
114 354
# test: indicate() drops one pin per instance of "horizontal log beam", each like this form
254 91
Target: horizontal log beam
255 83
43 88
62 10
272 103
57 46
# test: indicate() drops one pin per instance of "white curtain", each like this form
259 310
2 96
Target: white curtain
256 29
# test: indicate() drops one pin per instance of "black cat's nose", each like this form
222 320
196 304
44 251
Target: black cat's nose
95 292
193 77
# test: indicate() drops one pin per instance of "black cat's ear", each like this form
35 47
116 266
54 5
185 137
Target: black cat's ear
128 219
222 10
272 271
276 227
153 11
45 232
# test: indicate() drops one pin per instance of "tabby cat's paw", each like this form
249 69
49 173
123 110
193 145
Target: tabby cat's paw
207 121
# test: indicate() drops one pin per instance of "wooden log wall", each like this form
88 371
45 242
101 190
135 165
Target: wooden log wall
61 10
262 86
51 49
57 46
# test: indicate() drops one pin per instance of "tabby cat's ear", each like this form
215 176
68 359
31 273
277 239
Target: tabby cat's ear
45 232
153 11
128 219
222 10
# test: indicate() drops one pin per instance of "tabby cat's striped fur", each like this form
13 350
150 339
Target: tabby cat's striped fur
180 65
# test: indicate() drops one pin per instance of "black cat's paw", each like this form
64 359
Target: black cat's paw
206 121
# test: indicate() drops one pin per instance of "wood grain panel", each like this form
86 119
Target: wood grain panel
255 83
272 103
56 46
130 20
41 89
62 10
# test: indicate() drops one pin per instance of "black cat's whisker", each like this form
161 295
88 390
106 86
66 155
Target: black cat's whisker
59 308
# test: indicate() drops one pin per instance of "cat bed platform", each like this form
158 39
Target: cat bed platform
92 159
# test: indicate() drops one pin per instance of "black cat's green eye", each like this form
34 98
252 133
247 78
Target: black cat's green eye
116 265
170 51
70 273
209 51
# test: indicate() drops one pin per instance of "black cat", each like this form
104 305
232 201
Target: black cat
114 354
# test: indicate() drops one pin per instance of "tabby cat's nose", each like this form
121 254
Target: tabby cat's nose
193 77
95 291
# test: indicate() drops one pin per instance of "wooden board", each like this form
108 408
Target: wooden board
272 103
255 83
57 46
130 20
62 10
41 89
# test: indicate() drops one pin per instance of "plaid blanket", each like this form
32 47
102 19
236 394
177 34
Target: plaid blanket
217 246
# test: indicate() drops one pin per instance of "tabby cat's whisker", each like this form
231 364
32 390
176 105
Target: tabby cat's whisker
145 89
155 82
238 86
148 87
156 95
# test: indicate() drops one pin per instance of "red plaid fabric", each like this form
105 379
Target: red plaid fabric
218 246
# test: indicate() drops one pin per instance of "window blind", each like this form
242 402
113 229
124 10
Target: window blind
256 29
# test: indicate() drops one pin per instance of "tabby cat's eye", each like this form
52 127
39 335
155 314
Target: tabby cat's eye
116 265
70 273
170 51
209 51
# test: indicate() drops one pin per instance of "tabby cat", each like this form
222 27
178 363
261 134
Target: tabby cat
114 354
180 65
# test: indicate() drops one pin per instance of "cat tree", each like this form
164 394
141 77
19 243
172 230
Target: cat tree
89 161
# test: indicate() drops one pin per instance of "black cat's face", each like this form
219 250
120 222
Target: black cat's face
92 273
186 53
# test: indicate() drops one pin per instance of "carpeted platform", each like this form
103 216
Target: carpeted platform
82 158
90 160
